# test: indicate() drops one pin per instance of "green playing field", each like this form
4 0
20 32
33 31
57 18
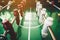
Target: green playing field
35 28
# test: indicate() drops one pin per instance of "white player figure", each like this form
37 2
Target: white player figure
38 8
47 23
9 4
42 16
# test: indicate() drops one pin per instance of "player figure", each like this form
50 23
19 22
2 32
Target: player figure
21 7
8 26
16 14
42 16
38 8
47 23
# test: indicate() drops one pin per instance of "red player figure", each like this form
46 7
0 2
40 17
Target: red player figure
16 14
23 3
21 7
8 26
52 2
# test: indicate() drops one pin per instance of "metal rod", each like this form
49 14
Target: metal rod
6 5
52 35
13 20
53 5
